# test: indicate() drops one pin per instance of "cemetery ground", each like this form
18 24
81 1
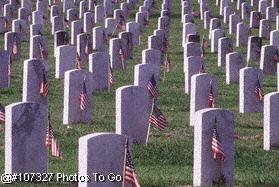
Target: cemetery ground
167 160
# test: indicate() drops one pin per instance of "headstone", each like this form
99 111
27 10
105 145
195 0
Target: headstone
84 46
99 63
225 46
250 78
99 14
269 59
25 137
37 17
216 34
117 48
8 11
245 10
133 27
72 15
128 37
274 38
100 39
242 34
254 48
83 8
263 4
88 21
234 62
60 38
223 4
271 14
24 14
193 38
65 60
214 24
188 18
67 4
206 169
227 12
101 153
188 28
234 20
58 24
54 11
76 28
12 44
38 47
73 87
192 65
255 3
206 21
200 89
151 56
132 110
19 26
265 28
271 118
4 66
255 18
35 72
192 49
111 25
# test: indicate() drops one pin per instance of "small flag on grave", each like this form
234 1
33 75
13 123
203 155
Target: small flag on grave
122 57
51 141
44 52
83 97
152 87
110 76
14 49
258 91
216 146
44 85
78 61
130 170
211 98
2 114
167 63
157 118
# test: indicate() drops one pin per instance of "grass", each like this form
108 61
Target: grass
168 158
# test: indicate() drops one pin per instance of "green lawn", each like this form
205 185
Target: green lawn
167 160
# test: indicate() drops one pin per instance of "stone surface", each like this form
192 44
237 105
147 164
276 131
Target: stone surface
4 66
192 65
34 70
151 56
234 19
269 59
200 89
188 28
25 137
37 44
206 168
128 37
84 46
254 48
99 66
132 112
242 34
117 51
215 36
265 28
100 39
225 45
12 39
65 60
274 38
271 118
234 62
73 85
245 10
101 153
133 27
248 102
192 49
255 18
76 28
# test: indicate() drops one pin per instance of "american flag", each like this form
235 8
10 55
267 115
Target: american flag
44 86
2 114
130 171
44 52
258 91
83 97
167 63
110 75
78 61
157 118
122 23
202 69
122 57
51 141
152 87
216 146
14 49
211 98
275 58
10 65
129 43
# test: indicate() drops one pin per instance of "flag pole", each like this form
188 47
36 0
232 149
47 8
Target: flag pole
152 106
164 69
125 157
48 146
114 29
